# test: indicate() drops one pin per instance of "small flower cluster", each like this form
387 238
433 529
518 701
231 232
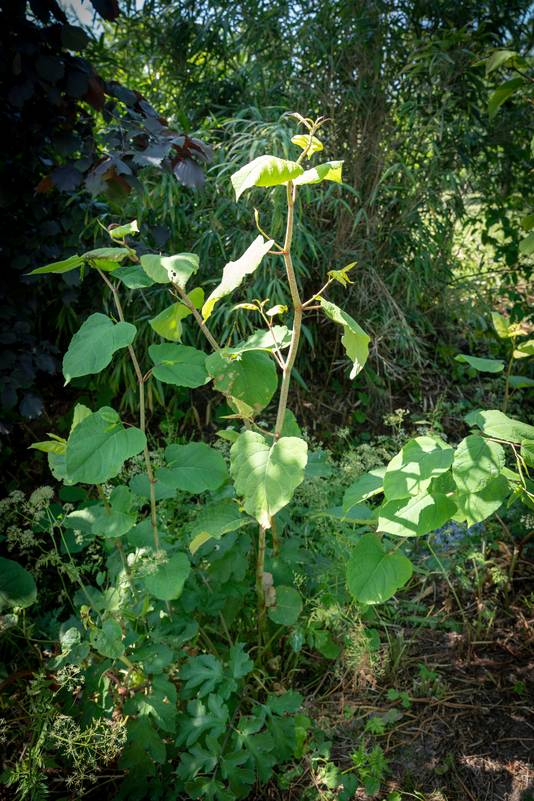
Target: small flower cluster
88 749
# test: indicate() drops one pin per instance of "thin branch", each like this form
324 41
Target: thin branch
142 414
198 317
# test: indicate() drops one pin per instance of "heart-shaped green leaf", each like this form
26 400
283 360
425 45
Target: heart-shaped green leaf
92 347
168 581
195 467
373 574
249 381
179 365
266 475
98 447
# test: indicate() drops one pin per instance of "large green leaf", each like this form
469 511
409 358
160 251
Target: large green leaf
412 469
179 365
92 347
106 259
481 365
266 475
477 461
521 382
373 574
108 639
117 518
98 447
64 266
133 276
416 515
195 467
248 381
170 269
329 171
264 171
354 339
17 586
496 424
365 486
235 271
214 521
276 338
168 581
168 323
474 507
287 608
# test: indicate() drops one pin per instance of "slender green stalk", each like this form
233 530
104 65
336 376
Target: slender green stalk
260 588
142 414
198 317
297 313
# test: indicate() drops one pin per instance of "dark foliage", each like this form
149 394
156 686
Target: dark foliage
53 161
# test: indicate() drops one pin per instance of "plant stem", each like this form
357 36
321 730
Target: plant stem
142 414
198 317
275 537
260 589
297 309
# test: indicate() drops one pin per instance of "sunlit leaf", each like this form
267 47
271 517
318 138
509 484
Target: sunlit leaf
264 171
175 269
248 379
276 338
329 171
354 339
496 424
304 141
416 515
266 474
235 271
59 267
120 231
477 461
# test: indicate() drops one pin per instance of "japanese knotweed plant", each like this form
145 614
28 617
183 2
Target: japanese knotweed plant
185 682
424 486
